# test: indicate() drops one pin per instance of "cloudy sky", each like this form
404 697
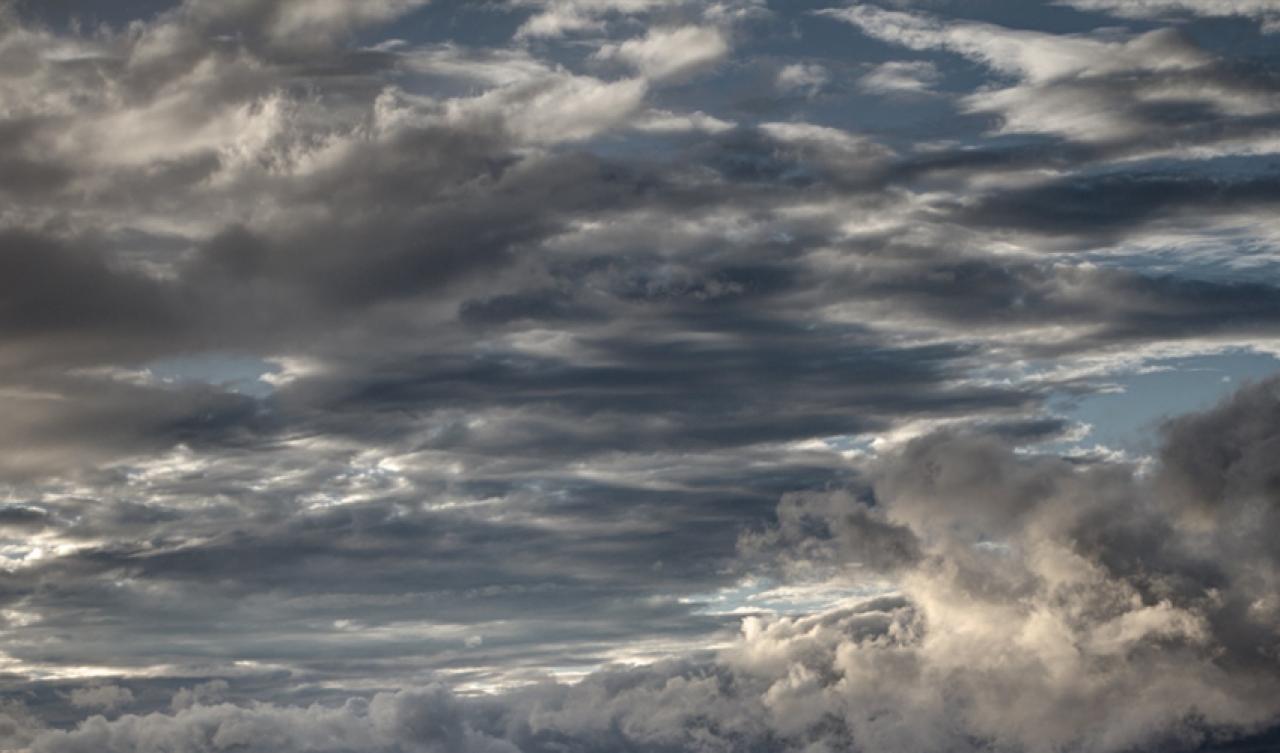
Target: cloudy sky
645 376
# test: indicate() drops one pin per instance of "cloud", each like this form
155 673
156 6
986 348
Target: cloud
664 121
288 25
559 17
670 53
17 726
567 108
1043 589
1039 605
552 19
808 78
826 148
203 694
1214 461
1092 204
1261 10
425 720
338 364
1138 93
1036 56
820 529
900 77
105 697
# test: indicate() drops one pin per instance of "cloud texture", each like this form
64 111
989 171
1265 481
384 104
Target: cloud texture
1039 605
634 375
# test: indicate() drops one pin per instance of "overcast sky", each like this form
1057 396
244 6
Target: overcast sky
644 376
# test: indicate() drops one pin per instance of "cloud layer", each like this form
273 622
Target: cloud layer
1038 605
595 375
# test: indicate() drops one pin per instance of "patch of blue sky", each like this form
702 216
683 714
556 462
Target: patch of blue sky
1237 37
234 373
1127 416
858 443
1226 255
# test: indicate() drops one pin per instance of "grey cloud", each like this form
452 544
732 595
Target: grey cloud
17 726
22 517
425 720
107 697
1111 204
90 294
674 708
1100 307
202 694
65 425
1219 457
825 528
1216 467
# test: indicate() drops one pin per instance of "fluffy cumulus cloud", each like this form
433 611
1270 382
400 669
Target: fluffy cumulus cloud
634 375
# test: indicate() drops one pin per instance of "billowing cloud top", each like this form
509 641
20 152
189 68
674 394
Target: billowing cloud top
639 375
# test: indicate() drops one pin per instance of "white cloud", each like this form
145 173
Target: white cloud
562 107
670 52
833 143
292 23
104 697
556 18
665 121
1034 56
1264 11
900 77
806 78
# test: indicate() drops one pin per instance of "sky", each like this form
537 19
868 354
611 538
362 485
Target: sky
639 376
